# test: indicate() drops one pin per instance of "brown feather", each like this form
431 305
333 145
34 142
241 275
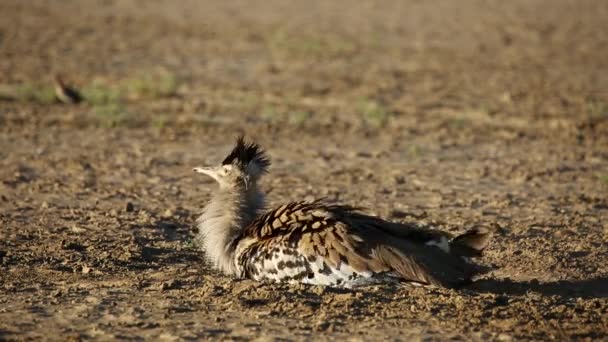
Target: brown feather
340 234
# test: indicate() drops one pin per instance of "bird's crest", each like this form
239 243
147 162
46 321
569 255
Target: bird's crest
247 155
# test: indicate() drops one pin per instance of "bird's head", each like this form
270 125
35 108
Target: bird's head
243 166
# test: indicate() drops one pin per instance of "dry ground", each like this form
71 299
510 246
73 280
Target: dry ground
449 113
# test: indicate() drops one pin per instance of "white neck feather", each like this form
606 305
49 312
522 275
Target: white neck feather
223 219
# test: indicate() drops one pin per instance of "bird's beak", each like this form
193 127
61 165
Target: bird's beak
207 170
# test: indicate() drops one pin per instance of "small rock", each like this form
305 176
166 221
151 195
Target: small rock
363 154
504 337
318 290
343 297
77 229
321 325
86 269
129 207
168 285
168 213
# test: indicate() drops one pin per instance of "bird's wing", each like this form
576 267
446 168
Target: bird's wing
341 235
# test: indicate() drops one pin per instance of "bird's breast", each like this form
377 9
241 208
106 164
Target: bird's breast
287 264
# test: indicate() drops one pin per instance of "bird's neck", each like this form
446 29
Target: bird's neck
223 219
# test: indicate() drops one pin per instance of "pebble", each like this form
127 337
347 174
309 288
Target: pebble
168 213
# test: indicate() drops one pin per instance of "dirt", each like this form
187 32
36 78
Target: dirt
451 114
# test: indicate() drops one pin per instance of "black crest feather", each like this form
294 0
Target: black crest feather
245 153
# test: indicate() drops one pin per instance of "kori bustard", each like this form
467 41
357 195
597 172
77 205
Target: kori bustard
319 242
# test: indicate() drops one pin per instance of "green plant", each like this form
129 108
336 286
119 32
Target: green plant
100 95
112 114
373 113
299 117
158 86
309 45
168 85
31 93
160 121
414 150
457 122
597 109
270 113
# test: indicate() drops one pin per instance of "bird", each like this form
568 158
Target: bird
65 93
321 243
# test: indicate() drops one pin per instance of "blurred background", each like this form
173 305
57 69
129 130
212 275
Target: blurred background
447 113
401 63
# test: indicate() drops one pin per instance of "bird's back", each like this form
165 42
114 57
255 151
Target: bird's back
317 243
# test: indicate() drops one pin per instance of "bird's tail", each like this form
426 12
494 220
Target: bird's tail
473 242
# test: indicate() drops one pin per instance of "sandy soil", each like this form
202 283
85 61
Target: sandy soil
452 114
